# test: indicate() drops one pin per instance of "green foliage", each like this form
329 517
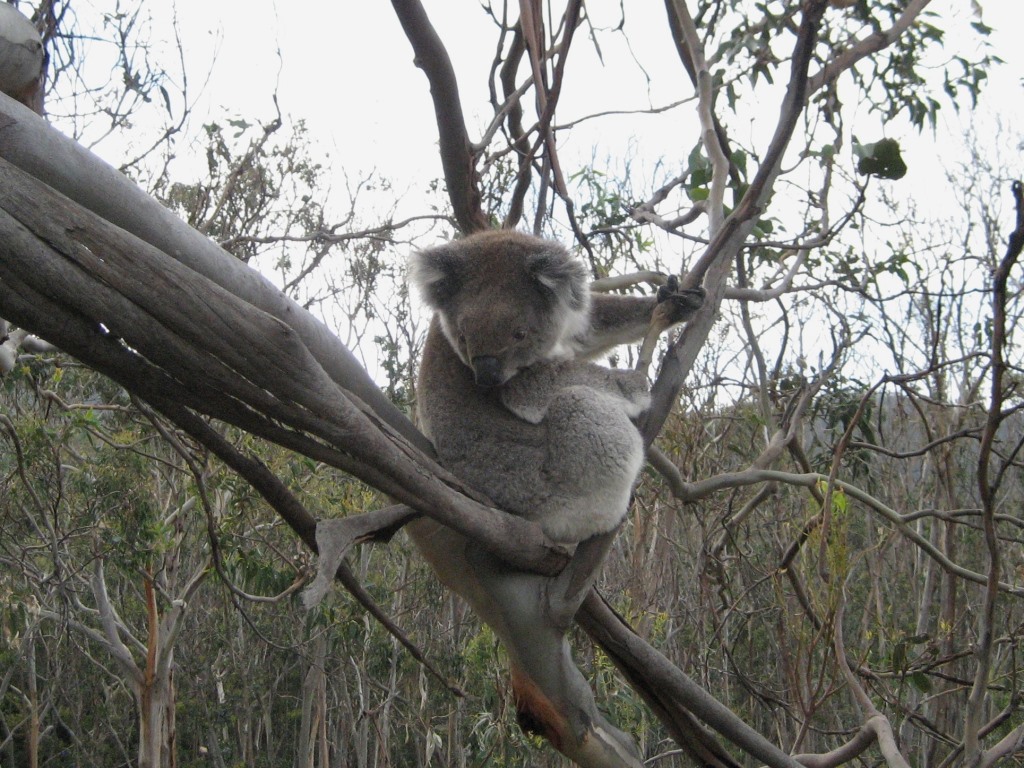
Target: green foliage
604 206
844 406
897 81
881 159
699 169
750 53
249 174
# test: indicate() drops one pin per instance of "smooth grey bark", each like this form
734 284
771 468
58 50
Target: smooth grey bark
30 144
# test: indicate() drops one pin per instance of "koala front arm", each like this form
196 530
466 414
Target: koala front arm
616 319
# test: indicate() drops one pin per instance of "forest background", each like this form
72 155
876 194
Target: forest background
829 541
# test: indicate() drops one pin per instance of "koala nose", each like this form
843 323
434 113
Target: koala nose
487 371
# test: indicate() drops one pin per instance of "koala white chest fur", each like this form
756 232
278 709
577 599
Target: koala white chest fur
505 392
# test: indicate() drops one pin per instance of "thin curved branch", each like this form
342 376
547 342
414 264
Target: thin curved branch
841 755
697 490
112 626
710 137
1011 744
521 145
988 487
683 43
548 94
737 226
876 723
874 43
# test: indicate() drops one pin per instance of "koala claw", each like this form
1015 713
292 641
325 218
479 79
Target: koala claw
677 304
671 286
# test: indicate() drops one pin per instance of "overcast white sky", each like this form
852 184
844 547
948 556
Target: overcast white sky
349 73
346 70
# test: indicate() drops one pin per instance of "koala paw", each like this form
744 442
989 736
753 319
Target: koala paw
676 305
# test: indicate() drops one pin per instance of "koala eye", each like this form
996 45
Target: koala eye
519 334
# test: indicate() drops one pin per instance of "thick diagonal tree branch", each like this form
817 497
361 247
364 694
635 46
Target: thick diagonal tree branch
672 694
226 358
30 144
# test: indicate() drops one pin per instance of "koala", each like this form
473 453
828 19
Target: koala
506 392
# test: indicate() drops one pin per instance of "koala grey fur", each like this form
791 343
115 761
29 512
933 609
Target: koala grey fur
505 392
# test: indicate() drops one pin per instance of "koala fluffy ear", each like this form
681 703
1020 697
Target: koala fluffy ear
436 273
565 277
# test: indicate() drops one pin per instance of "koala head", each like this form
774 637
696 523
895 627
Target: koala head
505 300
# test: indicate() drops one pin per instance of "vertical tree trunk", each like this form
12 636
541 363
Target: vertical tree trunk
149 744
325 752
155 696
946 711
314 710
171 742
32 742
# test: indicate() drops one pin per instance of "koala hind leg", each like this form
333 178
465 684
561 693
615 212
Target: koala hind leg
594 454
